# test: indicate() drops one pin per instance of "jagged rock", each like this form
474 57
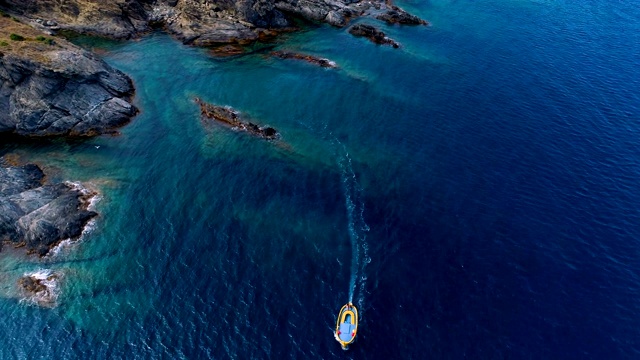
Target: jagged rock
197 22
372 34
335 18
53 89
308 58
230 117
40 287
39 216
395 15
31 285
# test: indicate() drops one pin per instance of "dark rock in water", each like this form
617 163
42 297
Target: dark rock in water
40 287
308 58
39 216
372 34
31 285
395 15
59 89
230 117
227 50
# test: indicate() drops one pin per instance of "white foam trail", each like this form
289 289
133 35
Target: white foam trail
356 225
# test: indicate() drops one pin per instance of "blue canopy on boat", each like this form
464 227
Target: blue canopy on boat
346 329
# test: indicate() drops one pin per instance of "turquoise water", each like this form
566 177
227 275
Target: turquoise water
475 194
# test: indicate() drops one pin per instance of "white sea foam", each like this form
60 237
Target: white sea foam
331 63
60 248
50 280
65 245
85 190
357 227
94 198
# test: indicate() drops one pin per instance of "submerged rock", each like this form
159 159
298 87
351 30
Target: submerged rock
326 63
54 88
230 117
372 34
38 216
227 50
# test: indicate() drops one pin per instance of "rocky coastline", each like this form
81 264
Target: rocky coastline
37 216
197 22
50 87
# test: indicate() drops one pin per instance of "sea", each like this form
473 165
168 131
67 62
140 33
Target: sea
475 193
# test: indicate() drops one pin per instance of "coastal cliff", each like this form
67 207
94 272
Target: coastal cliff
36 215
50 87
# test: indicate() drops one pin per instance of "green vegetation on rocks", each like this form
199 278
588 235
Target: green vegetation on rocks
16 37
45 40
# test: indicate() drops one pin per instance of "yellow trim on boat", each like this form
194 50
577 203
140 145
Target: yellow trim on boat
353 313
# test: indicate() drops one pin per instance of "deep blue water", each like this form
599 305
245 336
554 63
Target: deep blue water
476 191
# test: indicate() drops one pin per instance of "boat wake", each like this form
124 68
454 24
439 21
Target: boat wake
357 226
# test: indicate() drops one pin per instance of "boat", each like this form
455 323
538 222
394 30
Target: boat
347 325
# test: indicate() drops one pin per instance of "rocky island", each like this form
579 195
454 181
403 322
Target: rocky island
373 34
40 287
228 116
326 63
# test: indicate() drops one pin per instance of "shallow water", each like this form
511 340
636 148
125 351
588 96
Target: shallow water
475 192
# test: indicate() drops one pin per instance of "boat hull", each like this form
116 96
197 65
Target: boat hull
347 325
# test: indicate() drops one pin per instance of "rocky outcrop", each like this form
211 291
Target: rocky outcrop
39 216
50 87
227 116
210 23
395 15
40 287
372 34
198 22
113 18
326 63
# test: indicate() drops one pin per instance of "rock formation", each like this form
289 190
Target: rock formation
198 22
326 63
228 116
372 34
39 216
50 87
395 15
41 287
